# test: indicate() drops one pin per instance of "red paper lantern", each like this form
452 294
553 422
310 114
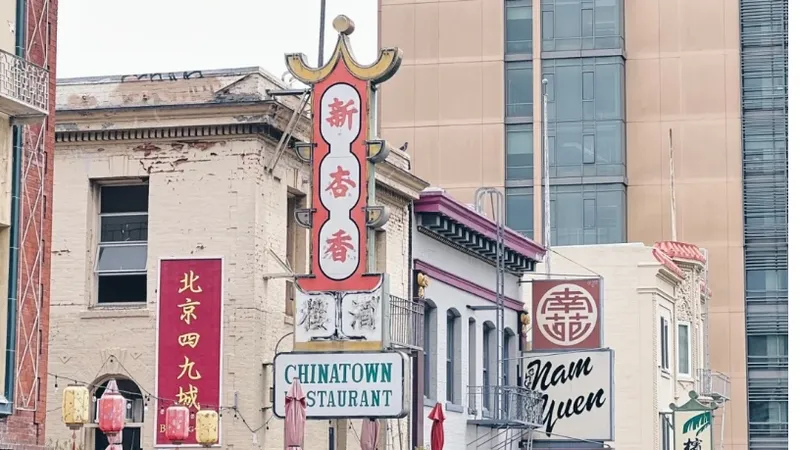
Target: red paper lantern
111 408
177 424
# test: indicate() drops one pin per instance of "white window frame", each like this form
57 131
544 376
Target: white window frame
679 350
664 341
101 245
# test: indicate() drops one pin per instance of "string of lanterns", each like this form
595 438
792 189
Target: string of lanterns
111 407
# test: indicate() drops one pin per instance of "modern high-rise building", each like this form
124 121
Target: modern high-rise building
626 83
27 135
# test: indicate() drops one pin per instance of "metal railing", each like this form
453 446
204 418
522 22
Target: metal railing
506 405
24 81
406 323
714 384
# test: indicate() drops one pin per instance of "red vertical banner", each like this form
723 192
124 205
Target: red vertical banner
189 347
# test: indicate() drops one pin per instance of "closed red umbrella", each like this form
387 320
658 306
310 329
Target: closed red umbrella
437 428
369 434
294 423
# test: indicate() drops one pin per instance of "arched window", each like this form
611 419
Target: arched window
429 350
132 434
453 356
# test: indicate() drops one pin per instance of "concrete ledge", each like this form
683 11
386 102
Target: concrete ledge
430 403
115 312
453 407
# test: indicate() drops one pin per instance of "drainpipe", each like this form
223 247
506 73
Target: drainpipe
14 232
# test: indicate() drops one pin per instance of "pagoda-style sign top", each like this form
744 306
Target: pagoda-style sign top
693 423
381 70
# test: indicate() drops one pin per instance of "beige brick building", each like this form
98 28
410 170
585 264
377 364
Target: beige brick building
200 151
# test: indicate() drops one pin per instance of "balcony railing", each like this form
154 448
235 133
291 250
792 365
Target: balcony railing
24 88
406 323
714 384
505 406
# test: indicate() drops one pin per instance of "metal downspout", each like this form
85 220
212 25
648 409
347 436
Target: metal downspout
13 253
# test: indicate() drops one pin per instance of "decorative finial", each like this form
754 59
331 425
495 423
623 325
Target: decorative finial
344 25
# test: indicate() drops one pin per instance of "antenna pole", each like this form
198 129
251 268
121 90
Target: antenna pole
546 180
673 209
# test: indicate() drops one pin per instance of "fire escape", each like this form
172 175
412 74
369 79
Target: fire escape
25 101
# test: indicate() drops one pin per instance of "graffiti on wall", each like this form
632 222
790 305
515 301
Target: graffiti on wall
167 76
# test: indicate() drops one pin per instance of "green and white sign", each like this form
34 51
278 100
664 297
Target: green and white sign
338 385
693 423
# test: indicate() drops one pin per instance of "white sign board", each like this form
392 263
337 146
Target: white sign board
338 385
578 390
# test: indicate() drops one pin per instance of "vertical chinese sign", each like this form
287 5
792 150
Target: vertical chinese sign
567 314
693 424
189 357
340 304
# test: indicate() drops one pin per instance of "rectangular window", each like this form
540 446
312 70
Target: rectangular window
519 27
519 152
121 258
519 89
451 356
582 25
684 350
519 210
664 344
666 433
587 214
586 116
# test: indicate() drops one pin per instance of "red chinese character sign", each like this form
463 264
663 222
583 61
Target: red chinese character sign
339 305
189 348
567 314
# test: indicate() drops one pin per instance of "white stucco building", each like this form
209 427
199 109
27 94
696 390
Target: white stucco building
653 310
188 165
453 247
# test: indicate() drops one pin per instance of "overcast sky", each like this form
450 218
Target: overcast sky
111 37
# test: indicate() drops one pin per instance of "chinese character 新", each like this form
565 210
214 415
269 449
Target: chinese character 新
693 444
568 316
338 246
187 311
340 112
187 368
188 281
188 398
340 182
190 339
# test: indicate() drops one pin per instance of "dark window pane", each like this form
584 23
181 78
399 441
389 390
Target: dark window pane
519 89
588 149
519 30
571 203
589 213
122 258
588 85
568 18
122 199
122 288
587 19
683 348
123 228
547 25
608 103
568 82
519 152
519 210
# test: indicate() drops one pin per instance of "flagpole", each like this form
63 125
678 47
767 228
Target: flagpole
546 179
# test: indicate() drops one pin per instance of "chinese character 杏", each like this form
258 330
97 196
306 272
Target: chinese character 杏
340 112
188 398
340 182
190 339
188 281
338 246
187 368
693 444
187 313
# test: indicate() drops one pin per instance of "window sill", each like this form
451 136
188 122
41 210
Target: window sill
453 407
287 319
6 408
665 373
112 311
429 403
685 378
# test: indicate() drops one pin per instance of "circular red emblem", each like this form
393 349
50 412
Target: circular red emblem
566 314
